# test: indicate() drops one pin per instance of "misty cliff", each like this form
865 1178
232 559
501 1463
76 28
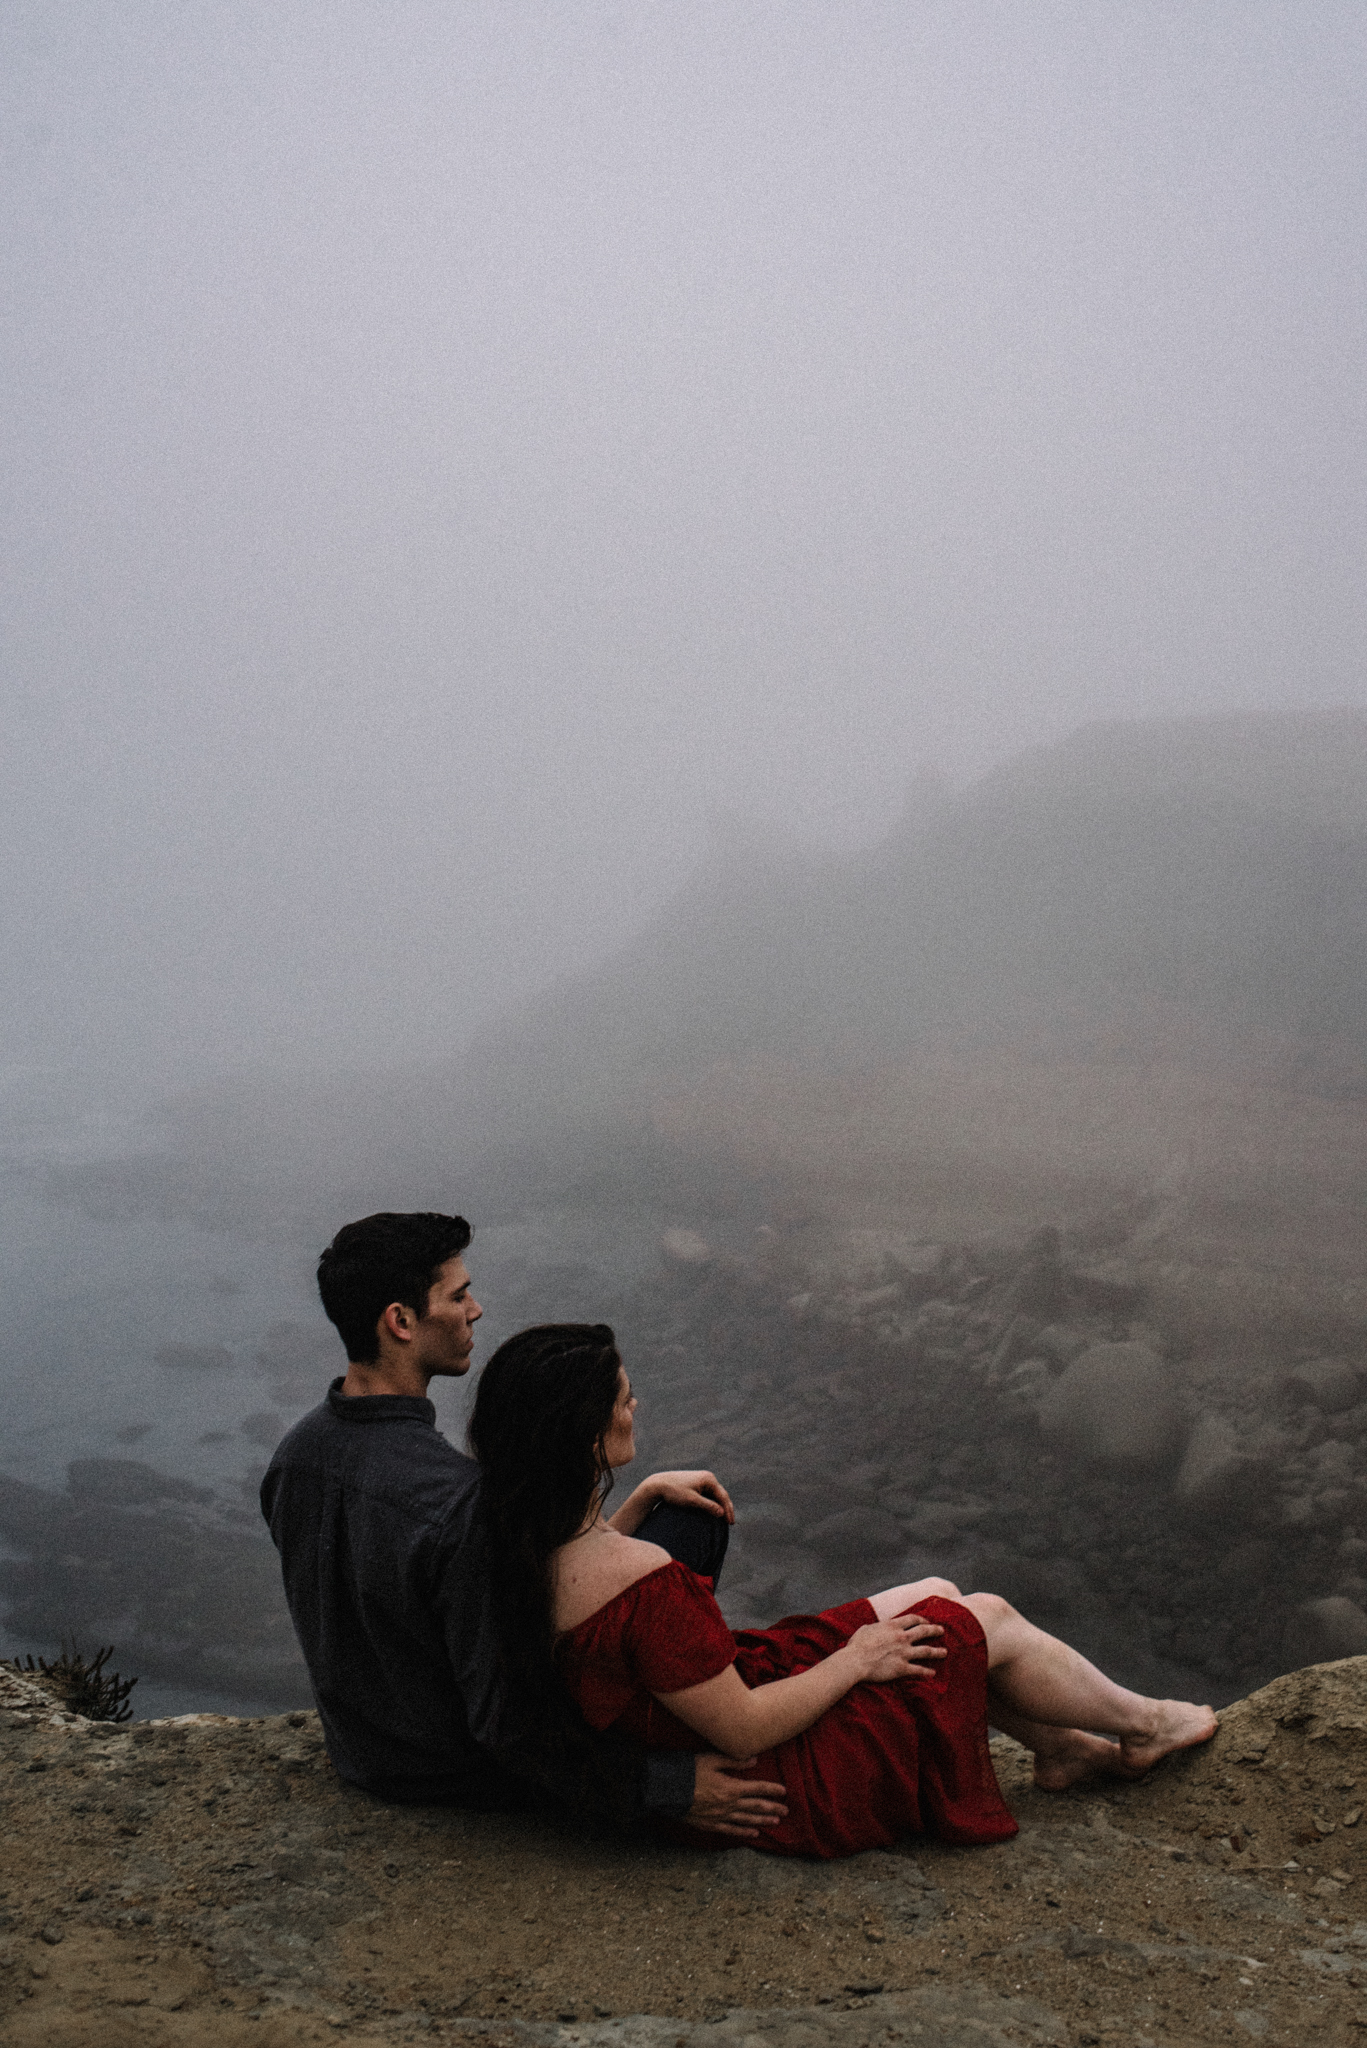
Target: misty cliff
1205 878
206 1882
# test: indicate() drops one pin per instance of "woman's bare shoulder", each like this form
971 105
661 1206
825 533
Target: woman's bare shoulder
586 1581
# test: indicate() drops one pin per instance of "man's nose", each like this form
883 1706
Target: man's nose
475 1310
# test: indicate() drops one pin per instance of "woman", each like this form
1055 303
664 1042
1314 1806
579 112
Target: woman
874 1714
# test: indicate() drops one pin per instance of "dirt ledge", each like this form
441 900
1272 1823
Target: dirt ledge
208 1881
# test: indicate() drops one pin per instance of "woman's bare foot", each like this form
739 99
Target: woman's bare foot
1066 1756
1179 1725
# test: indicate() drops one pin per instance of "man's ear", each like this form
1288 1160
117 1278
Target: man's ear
399 1322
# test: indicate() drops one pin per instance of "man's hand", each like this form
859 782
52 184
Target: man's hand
727 1804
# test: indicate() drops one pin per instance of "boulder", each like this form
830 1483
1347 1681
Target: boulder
1026 1383
194 1357
889 1295
856 1534
1110 1287
1035 1585
685 1247
924 1271
1321 1631
1062 1344
1038 1287
123 1483
1332 1462
1115 1405
938 1525
767 1522
1330 1384
1218 1477
266 1428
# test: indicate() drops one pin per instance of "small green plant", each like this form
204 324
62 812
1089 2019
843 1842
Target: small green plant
84 1687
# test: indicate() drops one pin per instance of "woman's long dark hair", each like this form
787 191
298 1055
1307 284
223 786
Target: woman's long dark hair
542 1412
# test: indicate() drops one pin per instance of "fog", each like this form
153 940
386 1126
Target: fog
732 640
454 455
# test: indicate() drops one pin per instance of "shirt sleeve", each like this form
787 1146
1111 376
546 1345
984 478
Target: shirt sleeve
671 1782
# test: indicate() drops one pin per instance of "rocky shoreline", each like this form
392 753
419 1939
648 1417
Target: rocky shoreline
209 1881
1070 1418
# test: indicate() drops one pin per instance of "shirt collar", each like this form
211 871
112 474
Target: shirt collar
379 1407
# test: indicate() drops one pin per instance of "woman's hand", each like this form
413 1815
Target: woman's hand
904 1647
692 1490
682 1489
744 1723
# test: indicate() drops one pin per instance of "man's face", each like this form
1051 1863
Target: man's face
445 1337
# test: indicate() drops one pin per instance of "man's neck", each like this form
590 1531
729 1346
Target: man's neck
386 1376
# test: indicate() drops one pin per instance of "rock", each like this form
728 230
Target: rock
265 1904
1117 1405
1330 1384
1334 1505
858 1533
1111 1287
1025 1384
1217 1477
1038 1288
923 1271
298 1359
767 1522
685 1247
266 1428
123 1482
194 1357
1332 1461
1035 1585
1016 1341
1322 1631
938 1524
1061 1343
887 1296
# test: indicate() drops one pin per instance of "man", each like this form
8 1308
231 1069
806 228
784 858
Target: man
383 1553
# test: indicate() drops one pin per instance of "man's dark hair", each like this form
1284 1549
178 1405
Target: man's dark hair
381 1259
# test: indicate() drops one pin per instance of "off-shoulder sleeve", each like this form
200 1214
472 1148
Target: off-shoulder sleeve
675 1635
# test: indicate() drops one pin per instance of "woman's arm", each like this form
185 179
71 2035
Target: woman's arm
742 1722
684 1489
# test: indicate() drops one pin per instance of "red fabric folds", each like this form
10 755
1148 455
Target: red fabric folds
907 1757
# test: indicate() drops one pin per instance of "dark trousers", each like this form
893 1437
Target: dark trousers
691 1535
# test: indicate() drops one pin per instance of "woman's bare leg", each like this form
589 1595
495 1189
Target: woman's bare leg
897 1599
1050 1698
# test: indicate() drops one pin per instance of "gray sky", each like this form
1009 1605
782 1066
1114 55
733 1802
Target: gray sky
453 451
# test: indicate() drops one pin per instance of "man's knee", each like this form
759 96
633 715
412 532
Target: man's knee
692 1535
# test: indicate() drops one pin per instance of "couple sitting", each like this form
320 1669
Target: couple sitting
480 1632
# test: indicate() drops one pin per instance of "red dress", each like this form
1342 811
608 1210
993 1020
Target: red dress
906 1757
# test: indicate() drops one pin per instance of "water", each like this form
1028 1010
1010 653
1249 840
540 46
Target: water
93 1293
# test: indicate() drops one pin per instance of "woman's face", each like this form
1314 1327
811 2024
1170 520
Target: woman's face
619 1443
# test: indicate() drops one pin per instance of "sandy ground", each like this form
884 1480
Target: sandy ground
211 1882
